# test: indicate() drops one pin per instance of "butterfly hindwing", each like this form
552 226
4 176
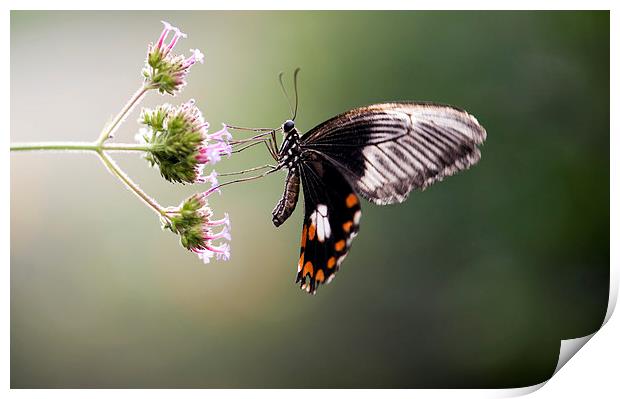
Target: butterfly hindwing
332 215
387 150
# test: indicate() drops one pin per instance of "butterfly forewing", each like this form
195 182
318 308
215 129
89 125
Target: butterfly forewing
331 220
387 150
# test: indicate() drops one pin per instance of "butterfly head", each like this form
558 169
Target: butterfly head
288 126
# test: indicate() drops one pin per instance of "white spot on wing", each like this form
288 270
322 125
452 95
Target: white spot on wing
323 229
320 232
328 228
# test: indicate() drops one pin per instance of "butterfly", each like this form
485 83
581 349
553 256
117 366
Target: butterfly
380 152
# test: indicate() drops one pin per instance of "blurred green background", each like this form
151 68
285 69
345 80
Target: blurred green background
472 283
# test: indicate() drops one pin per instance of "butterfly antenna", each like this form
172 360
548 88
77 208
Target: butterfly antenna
284 91
296 92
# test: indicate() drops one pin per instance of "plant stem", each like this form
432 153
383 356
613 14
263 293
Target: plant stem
115 170
76 146
126 147
54 146
133 101
99 147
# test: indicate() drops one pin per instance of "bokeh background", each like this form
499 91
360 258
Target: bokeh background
472 283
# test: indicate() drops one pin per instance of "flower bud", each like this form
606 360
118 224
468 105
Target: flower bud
164 70
193 221
180 143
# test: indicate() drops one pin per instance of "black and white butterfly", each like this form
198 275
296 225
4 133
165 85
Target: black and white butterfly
380 152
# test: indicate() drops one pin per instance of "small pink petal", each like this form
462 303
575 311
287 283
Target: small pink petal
212 177
164 33
222 134
180 34
205 255
225 220
198 55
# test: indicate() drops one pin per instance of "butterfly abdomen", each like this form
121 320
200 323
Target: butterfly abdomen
285 207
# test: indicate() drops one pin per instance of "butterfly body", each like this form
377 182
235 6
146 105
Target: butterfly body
289 158
381 152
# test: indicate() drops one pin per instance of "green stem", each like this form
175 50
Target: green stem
99 147
133 101
76 146
57 146
115 170
126 147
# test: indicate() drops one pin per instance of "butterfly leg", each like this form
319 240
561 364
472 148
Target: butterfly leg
275 140
270 171
272 145
254 138
237 150
248 170
250 129
271 142
269 145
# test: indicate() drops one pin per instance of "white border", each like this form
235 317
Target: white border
311 5
590 373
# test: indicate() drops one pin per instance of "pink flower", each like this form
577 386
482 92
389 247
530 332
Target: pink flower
207 248
175 38
198 231
213 147
197 56
212 153
222 134
165 71
182 146
212 177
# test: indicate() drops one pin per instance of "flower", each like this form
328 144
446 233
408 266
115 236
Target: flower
213 153
180 143
193 221
164 70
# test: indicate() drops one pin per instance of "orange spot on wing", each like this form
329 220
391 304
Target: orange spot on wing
346 226
339 245
303 237
331 262
311 232
308 269
351 200
320 277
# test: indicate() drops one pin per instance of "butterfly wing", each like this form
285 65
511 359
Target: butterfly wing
332 215
387 150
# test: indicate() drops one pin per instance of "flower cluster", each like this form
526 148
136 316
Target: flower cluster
180 143
192 221
164 70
